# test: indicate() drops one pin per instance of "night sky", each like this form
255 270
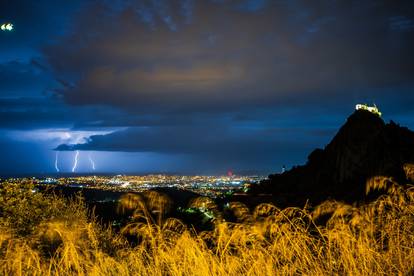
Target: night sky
193 86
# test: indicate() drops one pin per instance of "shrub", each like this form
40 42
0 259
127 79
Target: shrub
370 239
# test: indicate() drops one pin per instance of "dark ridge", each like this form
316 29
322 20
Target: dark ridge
364 147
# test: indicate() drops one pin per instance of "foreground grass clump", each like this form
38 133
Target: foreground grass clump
46 235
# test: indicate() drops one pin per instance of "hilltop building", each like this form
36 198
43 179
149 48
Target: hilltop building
373 109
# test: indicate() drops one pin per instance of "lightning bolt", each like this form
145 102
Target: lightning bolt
56 161
92 162
75 164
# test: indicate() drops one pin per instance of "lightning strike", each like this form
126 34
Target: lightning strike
92 162
56 161
75 164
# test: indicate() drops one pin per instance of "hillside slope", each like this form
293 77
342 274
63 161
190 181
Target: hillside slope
365 146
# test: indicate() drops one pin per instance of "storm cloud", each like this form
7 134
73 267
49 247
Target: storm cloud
213 147
187 56
251 84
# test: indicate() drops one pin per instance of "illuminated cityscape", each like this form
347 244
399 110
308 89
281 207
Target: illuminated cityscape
212 186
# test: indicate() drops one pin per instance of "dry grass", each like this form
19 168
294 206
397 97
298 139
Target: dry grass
333 238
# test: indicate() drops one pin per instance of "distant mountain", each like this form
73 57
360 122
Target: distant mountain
364 147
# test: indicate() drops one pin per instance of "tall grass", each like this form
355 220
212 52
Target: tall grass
329 239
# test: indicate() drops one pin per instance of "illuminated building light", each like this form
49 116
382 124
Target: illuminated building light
7 27
373 109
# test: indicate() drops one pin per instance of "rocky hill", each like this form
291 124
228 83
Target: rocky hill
364 147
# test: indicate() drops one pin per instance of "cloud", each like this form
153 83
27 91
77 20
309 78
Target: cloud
242 82
231 58
251 148
23 78
34 23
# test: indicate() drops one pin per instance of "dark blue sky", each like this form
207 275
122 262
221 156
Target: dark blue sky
194 86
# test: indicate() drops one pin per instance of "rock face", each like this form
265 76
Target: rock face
363 148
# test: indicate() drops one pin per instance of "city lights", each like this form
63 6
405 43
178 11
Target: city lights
212 186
